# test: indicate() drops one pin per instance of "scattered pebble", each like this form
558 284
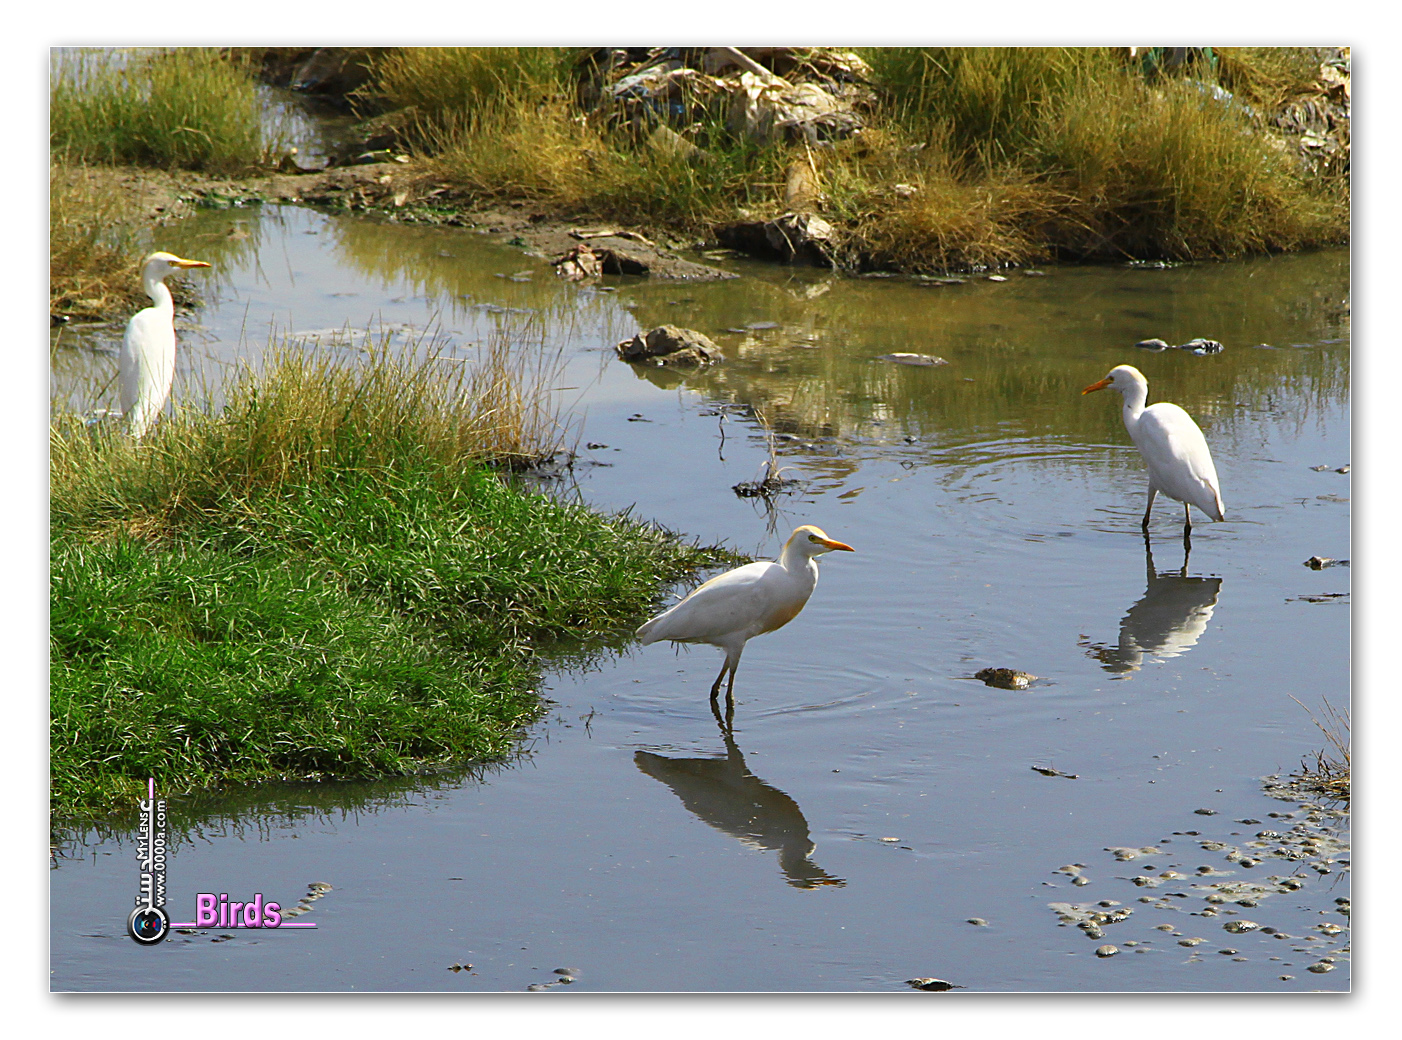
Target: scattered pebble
978 921
1206 812
1320 968
568 971
1124 855
1107 950
1237 927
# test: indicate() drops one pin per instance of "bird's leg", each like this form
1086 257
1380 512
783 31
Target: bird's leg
1187 546
732 661
1150 507
715 686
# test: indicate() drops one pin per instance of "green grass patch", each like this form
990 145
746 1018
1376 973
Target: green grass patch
192 108
302 585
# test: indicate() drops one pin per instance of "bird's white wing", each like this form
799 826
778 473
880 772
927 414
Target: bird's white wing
146 366
732 604
1177 455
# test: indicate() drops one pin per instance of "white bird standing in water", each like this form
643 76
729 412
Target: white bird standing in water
734 607
146 367
1173 447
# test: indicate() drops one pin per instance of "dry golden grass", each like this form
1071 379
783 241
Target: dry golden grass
1331 771
300 414
94 246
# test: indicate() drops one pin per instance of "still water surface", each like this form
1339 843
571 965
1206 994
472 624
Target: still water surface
874 797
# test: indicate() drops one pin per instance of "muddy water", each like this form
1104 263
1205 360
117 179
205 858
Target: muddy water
874 798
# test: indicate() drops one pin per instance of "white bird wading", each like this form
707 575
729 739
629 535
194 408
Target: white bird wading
1173 447
734 607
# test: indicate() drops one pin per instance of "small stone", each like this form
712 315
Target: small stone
919 360
568 971
1190 942
1107 950
979 921
1238 927
1285 978
1320 968
1206 812
1005 678
930 985
1229 952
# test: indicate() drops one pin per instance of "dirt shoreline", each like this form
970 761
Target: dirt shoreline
401 192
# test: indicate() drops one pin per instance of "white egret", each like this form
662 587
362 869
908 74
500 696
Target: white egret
734 607
1173 447
146 367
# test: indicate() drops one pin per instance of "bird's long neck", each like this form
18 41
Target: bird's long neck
1135 396
793 559
159 293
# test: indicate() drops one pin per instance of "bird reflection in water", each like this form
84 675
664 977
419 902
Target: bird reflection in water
723 793
1167 620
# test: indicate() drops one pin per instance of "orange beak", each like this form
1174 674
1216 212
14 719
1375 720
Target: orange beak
189 263
833 544
1096 386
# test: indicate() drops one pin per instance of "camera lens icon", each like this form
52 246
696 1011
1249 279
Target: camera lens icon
148 925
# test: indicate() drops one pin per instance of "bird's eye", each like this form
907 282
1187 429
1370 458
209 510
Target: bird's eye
812 537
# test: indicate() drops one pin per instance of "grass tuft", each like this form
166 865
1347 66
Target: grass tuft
325 578
1331 772
192 108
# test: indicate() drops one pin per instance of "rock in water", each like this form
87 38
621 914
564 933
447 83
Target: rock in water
670 345
1005 678
912 359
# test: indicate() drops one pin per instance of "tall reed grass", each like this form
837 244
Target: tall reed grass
192 108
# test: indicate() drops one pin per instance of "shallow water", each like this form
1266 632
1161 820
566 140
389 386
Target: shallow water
874 797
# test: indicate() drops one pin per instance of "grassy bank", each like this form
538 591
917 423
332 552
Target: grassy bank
969 156
193 108
185 109
330 577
